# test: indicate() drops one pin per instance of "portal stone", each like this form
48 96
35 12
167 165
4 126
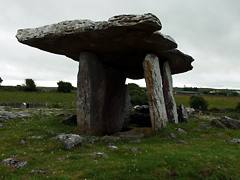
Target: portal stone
155 92
170 104
101 97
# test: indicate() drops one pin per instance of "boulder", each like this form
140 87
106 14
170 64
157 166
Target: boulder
182 114
70 140
122 42
229 122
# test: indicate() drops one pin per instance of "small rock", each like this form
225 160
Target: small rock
112 148
109 138
35 137
99 154
70 140
135 141
90 141
13 162
171 136
182 114
135 150
218 135
37 172
2 125
52 133
23 141
181 142
234 140
205 126
181 131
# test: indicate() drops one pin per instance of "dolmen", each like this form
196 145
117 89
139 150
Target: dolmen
108 52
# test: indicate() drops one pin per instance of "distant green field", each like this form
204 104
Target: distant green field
220 102
37 97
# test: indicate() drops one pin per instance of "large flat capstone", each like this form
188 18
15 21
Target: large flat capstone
122 42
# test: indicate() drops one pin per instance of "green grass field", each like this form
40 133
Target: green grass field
204 156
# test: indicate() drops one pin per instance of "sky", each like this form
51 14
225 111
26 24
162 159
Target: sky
207 30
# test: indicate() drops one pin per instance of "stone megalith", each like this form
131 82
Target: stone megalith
108 52
156 101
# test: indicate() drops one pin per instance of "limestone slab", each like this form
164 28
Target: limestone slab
155 92
121 42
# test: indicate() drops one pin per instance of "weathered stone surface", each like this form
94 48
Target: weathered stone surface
101 97
142 109
72 119
111 148
230 123
182 114
70 140
99 154
181 131
155 93
121 42
129 134
170 104
13 162
109 138
219 124
234 140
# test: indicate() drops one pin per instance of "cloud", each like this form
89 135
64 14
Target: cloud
206 30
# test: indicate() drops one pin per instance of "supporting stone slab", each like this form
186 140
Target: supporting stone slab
101 97
155 92
170 103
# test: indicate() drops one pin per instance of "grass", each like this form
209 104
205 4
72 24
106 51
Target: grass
204 157
220 102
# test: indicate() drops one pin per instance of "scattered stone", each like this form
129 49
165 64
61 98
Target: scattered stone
13 162
70 140
171 136
181 131
230 123
99 154
181 142
112 148
4 137
72 119
234 140
142 109
52 133
37 172
190 111
205 126
3 125
23 141
109 138
218 135
219 124
182 114
35 137
134 150
90 141
129 135
135 141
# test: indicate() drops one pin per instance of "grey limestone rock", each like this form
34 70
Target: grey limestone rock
230 123
112 148
70 140
13 162
182 114
156 101
99 154
234 140
181 131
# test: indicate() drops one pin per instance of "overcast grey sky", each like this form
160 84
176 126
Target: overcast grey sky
208 30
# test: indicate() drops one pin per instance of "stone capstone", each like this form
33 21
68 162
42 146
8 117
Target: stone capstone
121 42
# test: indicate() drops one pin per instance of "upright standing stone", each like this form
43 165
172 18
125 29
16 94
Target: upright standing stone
155 93
170 104
101 97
